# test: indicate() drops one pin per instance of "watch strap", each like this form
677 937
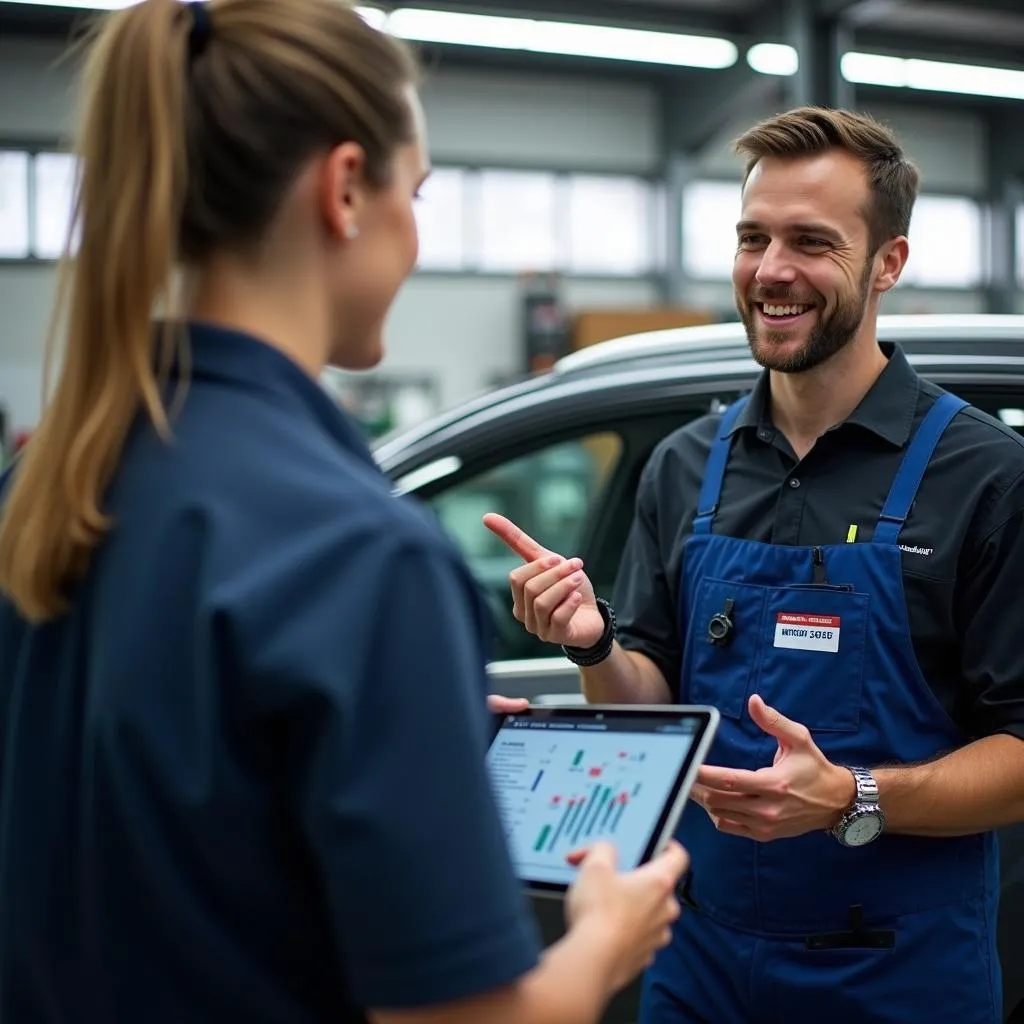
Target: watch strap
586 657
867 787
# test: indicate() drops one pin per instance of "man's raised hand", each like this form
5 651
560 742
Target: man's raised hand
551 595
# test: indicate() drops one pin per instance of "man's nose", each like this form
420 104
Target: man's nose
775 267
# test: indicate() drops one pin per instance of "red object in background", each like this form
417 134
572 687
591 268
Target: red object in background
594 772
20 440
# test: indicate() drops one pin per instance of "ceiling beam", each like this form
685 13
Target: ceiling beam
694 114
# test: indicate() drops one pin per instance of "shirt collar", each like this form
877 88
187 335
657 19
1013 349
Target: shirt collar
887 409
239 359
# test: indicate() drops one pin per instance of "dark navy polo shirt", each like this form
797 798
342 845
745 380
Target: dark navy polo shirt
243 778
963 543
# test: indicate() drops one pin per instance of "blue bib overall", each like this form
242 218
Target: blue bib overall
804 929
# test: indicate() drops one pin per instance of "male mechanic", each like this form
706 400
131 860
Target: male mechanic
834 564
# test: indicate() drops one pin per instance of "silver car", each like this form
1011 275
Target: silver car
560 454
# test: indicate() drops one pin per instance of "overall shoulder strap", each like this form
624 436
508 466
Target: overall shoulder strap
912 468
714 469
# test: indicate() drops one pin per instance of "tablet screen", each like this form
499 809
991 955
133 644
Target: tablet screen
567 777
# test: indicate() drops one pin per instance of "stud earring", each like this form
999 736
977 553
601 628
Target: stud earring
351 232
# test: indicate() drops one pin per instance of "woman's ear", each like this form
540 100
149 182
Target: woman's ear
343 190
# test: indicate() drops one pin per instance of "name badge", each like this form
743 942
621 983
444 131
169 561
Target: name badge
801 632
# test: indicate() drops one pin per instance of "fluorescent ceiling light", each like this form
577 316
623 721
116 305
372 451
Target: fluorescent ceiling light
932 75
78 5
773 59
565 38
373 17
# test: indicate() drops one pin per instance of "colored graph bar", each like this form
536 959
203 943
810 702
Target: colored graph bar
607 814
536 780
570 808
579 757
586 813
636 789
542 838
618 815
597 810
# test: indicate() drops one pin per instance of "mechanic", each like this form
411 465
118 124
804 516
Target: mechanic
834 563
242 685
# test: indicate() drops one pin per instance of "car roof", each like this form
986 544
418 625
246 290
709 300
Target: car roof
977 338
729 340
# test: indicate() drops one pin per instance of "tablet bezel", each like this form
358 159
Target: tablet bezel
668 820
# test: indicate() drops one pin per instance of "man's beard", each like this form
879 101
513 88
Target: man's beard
829 336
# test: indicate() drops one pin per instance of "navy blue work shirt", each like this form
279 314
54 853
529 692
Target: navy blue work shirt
243 778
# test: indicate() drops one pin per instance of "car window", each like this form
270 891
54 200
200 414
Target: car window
550 493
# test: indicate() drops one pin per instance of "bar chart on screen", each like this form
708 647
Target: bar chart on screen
558 792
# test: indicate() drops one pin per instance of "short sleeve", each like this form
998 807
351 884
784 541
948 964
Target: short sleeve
644 596
988 610
381 648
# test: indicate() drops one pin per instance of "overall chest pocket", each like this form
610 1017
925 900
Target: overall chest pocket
722 673
812 663
801 648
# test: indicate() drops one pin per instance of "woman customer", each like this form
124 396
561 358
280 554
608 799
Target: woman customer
242 688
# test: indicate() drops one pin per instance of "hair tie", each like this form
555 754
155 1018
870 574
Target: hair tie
201 30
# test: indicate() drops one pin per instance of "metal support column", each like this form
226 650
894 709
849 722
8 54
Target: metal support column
678 173
1005 192
820 39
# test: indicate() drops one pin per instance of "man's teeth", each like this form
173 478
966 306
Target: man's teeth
785 310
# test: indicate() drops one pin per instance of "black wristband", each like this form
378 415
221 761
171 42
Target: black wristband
586 657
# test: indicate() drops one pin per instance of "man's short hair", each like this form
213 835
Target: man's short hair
806 131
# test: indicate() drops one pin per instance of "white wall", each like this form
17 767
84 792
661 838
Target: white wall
545 121
466 331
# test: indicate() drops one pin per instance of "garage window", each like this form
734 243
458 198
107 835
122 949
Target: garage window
710 212
609 225
53 185
947 241
14 221
517 224
440 220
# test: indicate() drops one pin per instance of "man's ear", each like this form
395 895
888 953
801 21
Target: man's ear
890 260
343 189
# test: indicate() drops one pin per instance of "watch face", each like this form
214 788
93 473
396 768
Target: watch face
862 830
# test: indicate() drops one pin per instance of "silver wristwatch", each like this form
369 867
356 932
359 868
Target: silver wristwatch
865 820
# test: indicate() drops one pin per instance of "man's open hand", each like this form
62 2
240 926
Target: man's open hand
801 792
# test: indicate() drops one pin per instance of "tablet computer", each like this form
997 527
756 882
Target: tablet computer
565 777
